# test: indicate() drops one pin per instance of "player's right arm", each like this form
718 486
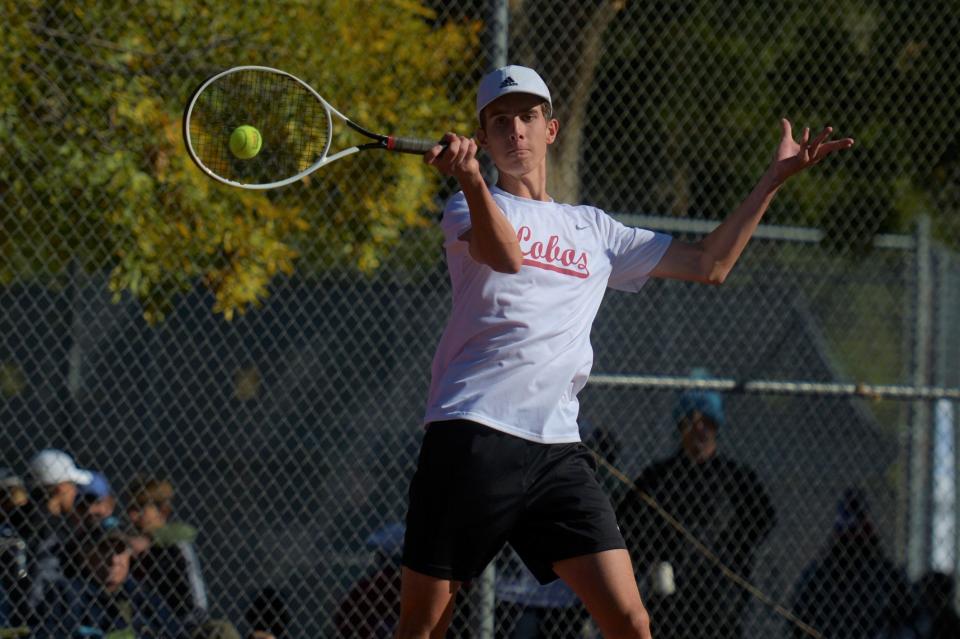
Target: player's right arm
492 238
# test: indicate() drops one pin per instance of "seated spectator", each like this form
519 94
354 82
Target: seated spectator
92 514
928 614
168 561
103 600
936 616
14 613
371 609
853 590
216 629
13 498
95 504
528 610
268 616
54 481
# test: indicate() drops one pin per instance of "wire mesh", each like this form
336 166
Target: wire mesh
248 372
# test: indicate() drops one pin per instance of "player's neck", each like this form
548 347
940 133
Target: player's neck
532 186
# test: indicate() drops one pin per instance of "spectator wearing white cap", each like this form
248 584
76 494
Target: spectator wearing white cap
55 474
54 478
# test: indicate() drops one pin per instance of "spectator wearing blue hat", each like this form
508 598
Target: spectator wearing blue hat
720 501
96 504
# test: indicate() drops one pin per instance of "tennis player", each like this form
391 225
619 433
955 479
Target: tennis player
501 459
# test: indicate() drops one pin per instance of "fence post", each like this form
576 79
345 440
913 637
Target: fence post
495 46
495 34
919 437
483 592
948 373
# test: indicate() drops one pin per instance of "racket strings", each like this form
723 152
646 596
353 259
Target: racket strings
293 125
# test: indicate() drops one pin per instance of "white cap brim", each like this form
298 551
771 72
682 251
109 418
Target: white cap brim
81 476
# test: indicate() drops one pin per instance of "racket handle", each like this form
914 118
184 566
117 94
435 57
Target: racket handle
411 145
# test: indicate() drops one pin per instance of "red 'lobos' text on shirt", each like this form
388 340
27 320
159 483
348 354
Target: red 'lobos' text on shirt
551 256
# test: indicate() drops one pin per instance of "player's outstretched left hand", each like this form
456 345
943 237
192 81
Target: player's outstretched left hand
793 157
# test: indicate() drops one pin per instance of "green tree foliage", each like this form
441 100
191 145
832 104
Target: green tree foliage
94 173
698 88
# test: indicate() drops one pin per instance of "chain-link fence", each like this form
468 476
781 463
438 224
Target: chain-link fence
256 366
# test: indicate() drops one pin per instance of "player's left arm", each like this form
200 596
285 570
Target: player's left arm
711 259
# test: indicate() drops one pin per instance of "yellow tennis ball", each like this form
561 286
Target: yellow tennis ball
245 142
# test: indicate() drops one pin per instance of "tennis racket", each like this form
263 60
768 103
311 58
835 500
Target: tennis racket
294 122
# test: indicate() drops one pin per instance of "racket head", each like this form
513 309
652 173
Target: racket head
294 121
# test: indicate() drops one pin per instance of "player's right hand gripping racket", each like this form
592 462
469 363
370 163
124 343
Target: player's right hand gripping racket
294 122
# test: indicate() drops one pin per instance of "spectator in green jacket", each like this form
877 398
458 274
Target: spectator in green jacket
165 555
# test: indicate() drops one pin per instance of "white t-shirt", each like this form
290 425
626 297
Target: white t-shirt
516 349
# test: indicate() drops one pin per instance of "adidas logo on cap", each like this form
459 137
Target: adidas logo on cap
509 82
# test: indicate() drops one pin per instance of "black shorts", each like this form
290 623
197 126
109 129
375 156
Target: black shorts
477 488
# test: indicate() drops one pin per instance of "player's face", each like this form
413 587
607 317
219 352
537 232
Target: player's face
516 133
102 508
66 495
117 570
148 518
698 436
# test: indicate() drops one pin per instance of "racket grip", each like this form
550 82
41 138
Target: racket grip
411 145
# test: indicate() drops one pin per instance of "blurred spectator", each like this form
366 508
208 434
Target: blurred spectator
853 590
13 498
371 609
96 504
931 615
722 503
168 562
528 610
14 585
103 600
54 481
268 616
216 629
935 615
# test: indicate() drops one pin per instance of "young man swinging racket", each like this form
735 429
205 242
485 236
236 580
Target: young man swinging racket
501 459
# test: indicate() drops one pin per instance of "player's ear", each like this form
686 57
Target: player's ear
553 127
481 137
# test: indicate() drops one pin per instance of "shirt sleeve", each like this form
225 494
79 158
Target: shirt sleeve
456 220
634 252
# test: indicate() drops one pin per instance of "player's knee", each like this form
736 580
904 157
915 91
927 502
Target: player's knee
421 626
408 629
640 623
634 624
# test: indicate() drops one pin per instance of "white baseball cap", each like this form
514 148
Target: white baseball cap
510 79
51 466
